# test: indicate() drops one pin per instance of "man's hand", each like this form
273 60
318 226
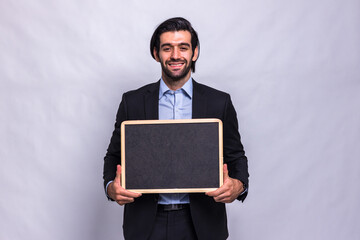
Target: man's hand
118 193
229 191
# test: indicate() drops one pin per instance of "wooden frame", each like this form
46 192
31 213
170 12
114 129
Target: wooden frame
151 133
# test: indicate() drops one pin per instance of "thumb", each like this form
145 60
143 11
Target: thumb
225 171
118 175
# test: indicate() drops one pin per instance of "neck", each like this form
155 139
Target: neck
175 84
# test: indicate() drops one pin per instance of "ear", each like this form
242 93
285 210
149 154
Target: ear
196 54
156 55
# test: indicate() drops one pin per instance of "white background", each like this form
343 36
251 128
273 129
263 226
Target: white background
291 67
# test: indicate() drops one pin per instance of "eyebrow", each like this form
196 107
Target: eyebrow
169 44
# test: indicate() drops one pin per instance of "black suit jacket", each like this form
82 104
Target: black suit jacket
209 217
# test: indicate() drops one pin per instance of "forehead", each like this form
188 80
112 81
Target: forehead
175 37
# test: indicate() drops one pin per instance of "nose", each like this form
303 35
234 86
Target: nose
175 54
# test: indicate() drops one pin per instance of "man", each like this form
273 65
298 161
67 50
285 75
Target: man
176 95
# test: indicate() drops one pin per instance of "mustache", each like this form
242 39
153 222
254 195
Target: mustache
176 61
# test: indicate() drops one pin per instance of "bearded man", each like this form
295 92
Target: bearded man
175 45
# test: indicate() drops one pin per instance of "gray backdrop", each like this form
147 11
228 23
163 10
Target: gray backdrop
291 67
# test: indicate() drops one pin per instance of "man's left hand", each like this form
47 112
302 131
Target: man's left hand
229 191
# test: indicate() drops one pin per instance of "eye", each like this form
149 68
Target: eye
166 49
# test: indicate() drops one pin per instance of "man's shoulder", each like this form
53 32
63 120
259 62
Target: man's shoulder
209 90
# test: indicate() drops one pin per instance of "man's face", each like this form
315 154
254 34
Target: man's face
176 55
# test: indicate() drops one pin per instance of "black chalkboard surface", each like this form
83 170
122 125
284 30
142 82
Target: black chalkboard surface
169 156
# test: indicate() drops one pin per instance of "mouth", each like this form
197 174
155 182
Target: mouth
176 64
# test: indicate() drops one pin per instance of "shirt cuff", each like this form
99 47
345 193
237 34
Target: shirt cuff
243 192
106 188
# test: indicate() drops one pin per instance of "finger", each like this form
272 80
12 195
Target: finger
125 201
211 194
123 196
224 197
216 192
226 172
223 200
221 189
119 192
130 194
118 174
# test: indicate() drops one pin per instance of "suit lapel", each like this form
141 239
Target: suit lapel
151 101
199 103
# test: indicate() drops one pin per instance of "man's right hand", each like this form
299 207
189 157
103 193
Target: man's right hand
118 193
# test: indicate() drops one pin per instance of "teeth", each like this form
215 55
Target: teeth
179 64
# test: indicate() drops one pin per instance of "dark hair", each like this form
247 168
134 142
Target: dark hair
171 25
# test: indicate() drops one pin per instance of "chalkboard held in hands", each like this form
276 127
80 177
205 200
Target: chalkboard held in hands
171 156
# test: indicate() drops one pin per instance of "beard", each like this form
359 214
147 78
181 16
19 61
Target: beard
178 75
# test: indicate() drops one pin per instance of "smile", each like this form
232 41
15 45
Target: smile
176 64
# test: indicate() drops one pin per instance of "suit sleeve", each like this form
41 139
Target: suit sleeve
234 154
113 154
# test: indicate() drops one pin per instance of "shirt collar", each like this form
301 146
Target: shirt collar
187 88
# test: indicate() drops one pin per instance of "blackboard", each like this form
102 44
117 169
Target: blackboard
169 156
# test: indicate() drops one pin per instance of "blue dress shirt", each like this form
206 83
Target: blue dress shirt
175 105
